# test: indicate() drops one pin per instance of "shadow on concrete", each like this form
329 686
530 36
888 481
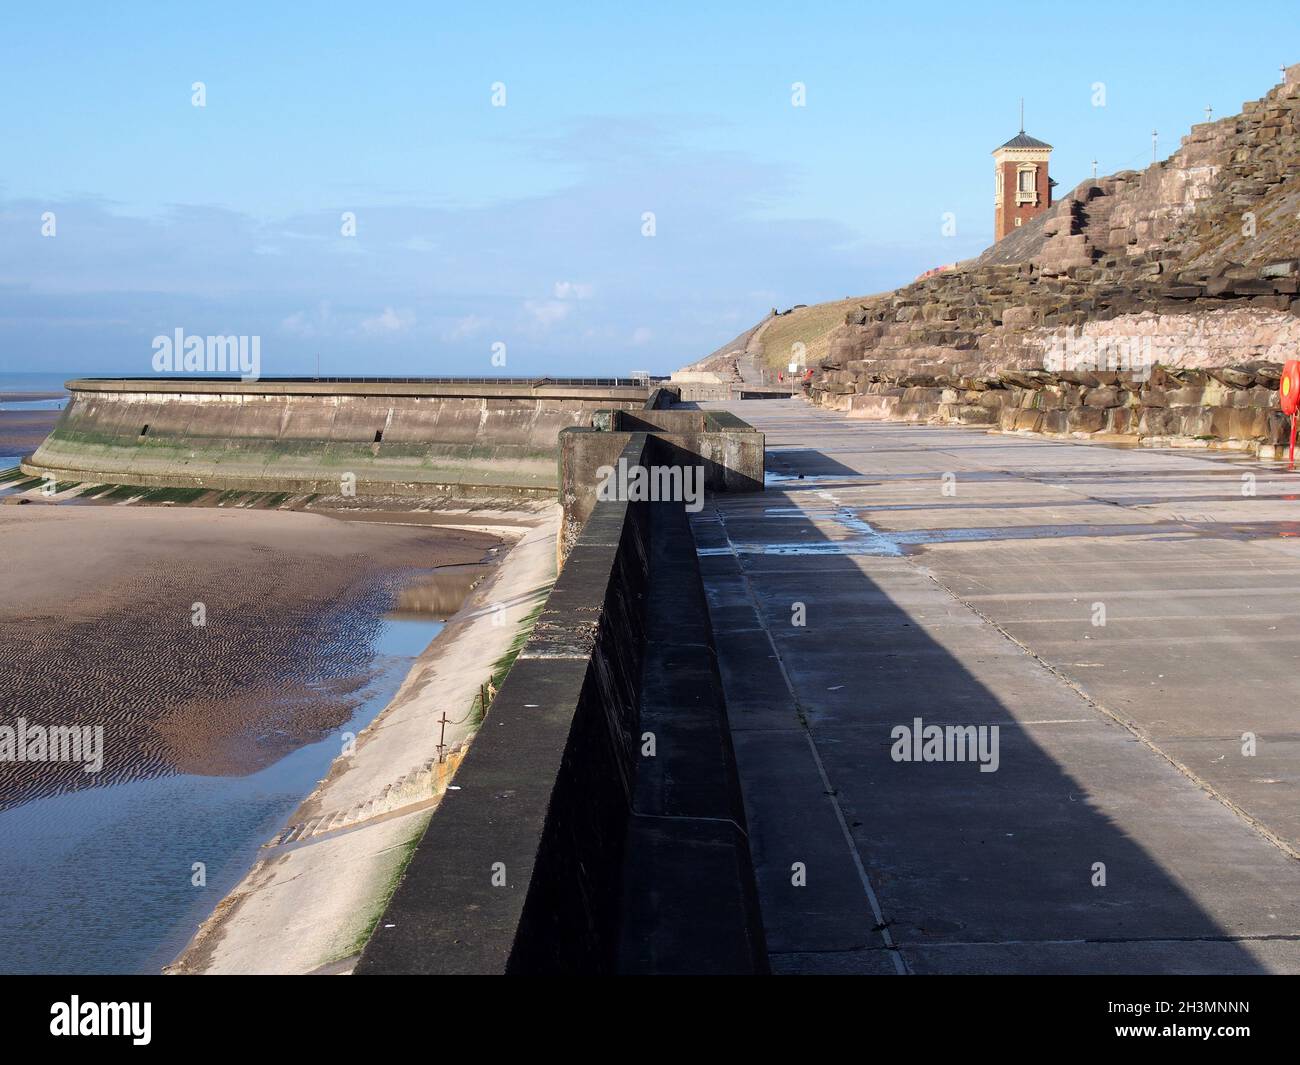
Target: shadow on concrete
937 866
596 825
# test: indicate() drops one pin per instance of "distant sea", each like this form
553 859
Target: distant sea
12 446
36 382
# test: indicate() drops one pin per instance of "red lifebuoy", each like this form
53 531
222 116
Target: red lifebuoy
1289 388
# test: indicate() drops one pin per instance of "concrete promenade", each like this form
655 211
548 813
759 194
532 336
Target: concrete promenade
1128 619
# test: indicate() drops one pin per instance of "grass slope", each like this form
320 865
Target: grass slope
810 326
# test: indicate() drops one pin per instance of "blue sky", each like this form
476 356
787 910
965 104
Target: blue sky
522 225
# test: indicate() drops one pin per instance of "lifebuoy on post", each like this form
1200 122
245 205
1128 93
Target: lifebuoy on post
1289 388
1289 399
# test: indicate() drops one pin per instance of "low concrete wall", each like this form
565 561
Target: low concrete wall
568 849
721 393
394 437
700 392
661 398
728 450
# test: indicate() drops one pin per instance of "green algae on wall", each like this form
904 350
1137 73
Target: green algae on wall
391 438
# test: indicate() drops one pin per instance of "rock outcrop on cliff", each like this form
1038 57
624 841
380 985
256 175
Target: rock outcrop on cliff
1154 305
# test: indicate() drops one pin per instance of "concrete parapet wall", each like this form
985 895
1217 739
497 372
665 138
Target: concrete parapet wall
471 437
566 849
703 391
728 450
661 397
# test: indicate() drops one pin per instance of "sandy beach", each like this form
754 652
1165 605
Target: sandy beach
309 903
22 431
97 612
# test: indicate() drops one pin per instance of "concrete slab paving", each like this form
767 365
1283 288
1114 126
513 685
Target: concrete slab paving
1122 618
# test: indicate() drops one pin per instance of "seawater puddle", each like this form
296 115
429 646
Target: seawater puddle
865 539
881 548
771 477
99 881
871 541
989 534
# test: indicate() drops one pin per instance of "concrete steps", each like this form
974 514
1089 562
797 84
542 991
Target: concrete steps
428 781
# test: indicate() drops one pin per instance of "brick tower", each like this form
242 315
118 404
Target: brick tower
1022 188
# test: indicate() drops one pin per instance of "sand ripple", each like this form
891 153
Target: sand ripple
283 658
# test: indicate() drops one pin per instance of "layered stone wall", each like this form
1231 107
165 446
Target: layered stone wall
1225 407
1131 282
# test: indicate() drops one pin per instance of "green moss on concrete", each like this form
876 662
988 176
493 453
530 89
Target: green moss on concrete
174 495
501 667
473 440
404 855
123 491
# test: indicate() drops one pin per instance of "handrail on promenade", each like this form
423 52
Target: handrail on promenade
601 382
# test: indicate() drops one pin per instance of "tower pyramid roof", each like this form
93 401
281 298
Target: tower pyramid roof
1024 140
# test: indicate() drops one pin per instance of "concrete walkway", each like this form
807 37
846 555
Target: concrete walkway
1129 622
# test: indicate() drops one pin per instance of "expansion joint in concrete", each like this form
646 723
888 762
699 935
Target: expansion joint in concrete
1259 828
881 926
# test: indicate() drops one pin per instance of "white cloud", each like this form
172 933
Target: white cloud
573 290
388 322
468 326
546 313
725 266
642 335
309 323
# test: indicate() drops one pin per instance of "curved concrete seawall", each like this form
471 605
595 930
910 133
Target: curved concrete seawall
397 437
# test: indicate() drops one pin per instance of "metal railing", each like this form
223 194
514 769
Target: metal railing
598 382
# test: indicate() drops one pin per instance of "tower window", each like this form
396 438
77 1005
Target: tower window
1027 184
144 431
379 435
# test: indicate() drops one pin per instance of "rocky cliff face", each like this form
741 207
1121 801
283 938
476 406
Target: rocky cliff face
1130 288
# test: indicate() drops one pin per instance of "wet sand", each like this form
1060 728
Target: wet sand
310 901
96 628
23 431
